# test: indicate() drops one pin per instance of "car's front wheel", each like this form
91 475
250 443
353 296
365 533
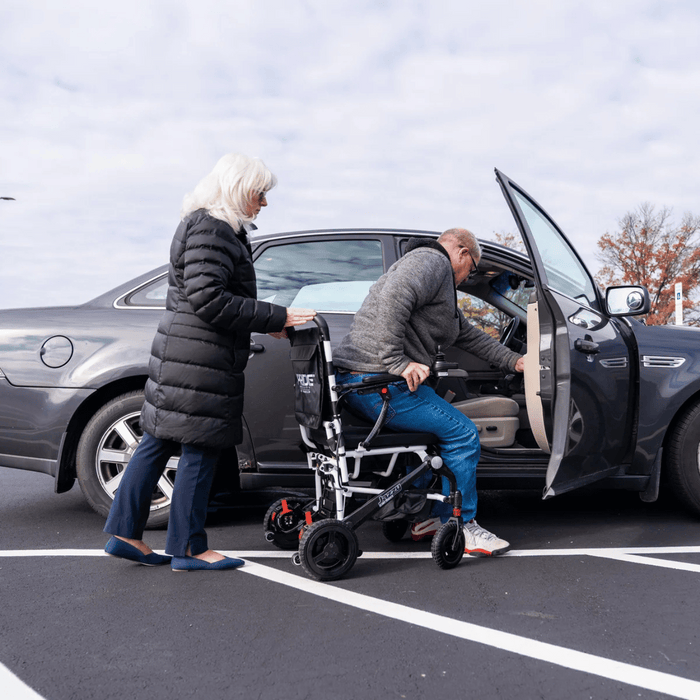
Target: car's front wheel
107 444
682 463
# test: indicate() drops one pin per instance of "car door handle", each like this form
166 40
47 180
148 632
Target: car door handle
586 346
257 347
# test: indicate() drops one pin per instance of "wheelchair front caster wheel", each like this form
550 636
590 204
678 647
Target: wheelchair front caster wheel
448 545
394 530
282 523
296 559
328 550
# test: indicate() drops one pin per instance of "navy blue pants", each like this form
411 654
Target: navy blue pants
188 508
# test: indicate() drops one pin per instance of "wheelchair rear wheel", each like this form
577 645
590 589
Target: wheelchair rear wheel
281 523
328 550
448 545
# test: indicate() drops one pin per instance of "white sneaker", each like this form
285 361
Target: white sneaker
482 543
427 528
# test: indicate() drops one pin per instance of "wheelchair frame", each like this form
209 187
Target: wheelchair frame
323 529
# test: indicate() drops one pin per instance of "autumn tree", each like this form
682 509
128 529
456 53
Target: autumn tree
651 250
510 240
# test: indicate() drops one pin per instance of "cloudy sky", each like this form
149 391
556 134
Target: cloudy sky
389 113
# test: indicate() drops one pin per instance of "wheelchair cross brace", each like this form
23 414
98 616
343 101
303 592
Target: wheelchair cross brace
370 507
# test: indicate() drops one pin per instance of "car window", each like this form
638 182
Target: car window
152 294
565 273
482 314
332 275
514 288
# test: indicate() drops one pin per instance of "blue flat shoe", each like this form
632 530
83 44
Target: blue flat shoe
194 564
123 550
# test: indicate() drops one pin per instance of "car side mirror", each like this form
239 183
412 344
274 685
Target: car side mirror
627 301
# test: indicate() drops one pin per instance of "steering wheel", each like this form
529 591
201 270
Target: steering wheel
509 331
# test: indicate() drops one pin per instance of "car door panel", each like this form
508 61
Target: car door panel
318 271
269 399
582 360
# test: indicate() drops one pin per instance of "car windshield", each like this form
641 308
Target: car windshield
514 288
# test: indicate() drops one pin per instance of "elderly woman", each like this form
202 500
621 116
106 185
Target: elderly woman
194 392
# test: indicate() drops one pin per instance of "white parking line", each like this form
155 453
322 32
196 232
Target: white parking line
561 656
637 676
14 688
648 561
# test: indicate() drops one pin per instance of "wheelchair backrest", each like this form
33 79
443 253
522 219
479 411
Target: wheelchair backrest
311 399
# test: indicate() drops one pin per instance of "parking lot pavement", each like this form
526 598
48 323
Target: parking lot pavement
598 599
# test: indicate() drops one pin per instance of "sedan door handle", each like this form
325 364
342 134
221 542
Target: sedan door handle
586 346
257 347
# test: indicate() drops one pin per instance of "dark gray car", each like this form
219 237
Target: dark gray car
604 397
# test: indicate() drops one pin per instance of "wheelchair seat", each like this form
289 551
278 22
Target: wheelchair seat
355 435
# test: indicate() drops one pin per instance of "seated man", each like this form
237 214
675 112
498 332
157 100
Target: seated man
408 313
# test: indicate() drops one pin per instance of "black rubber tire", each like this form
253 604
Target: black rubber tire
94 472
328 550
448 544
394 530
284 527
682 459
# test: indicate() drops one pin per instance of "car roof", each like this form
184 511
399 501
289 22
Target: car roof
494 251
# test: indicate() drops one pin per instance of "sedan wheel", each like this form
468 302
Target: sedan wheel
682 459
105 448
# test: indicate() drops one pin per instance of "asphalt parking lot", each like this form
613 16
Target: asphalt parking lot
599 598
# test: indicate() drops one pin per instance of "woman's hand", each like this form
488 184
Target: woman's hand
415 374
520 365
298 317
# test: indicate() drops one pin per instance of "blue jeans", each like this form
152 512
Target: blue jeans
188 508
423 410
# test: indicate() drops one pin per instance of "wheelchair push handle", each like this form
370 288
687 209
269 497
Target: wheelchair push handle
322 326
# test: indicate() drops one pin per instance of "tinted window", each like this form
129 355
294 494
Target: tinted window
324 275
151 294
565 273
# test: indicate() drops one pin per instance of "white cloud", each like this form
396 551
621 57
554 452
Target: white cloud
371 114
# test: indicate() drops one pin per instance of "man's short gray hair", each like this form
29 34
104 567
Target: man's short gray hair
465 239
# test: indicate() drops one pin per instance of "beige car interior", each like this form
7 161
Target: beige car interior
496 417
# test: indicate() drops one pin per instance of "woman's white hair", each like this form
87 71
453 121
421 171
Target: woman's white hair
230 187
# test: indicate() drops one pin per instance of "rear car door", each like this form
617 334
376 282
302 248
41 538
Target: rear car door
579 373
329 272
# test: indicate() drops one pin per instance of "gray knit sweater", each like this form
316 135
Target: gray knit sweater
408 313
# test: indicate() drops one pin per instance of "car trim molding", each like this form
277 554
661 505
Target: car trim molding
662 361
614 363
118 303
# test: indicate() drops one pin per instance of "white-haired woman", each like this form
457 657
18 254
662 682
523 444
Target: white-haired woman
194 392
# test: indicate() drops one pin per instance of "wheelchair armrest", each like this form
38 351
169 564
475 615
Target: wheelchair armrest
382 379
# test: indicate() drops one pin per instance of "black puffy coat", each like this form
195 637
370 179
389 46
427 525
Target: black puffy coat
194 392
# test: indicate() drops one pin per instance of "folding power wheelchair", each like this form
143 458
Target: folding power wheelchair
378 485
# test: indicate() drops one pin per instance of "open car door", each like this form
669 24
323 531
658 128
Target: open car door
577 367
